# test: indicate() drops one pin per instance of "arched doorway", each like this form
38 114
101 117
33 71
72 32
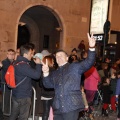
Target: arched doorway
23 35
43 26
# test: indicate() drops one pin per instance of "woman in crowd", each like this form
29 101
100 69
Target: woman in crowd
47 94
92 79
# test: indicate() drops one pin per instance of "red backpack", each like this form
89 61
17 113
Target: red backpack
10 76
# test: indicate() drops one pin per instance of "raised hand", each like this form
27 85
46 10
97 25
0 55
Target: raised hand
45 67
92 40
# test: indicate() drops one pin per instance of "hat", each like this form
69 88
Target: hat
39 55
45 53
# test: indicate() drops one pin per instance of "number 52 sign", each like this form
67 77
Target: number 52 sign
99 37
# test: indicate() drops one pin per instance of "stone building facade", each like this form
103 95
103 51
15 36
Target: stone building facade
72 17
65 22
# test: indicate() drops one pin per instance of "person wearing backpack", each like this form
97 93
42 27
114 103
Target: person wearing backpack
21 95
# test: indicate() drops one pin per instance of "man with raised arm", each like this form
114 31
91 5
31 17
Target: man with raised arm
66 81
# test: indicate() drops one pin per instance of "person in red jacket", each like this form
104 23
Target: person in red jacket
92 79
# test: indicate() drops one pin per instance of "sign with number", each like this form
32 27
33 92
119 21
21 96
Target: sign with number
99 37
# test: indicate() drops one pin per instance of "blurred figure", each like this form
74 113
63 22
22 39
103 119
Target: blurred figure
74 51
84 55
74 56
47 94
17 53
106 95
117 93
118 63
108 61
113 83
113 69
6 92
45 53
81 46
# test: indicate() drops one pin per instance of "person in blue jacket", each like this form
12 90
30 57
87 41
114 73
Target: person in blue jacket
118 95
21 95
66 82
6 91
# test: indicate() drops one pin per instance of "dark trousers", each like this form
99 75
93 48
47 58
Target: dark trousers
118 107
73 115
90 94
46 108
20 109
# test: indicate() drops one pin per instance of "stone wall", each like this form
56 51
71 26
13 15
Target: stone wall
74 15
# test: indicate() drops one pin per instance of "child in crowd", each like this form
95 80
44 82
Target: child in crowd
118 95
106 95
113 83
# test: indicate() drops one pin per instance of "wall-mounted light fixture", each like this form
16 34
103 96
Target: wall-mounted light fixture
22 23
58 29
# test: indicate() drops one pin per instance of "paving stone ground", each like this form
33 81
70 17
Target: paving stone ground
97 114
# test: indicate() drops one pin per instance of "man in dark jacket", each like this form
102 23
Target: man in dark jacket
6 92
21 95
66 81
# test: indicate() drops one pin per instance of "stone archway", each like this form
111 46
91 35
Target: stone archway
34 30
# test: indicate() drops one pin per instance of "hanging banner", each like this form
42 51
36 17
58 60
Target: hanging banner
99 14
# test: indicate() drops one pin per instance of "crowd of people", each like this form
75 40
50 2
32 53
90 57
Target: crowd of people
69 83
102 77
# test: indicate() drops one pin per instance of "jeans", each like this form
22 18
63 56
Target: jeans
73 115
46 108
20 109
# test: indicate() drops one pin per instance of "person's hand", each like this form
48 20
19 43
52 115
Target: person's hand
92 40
45 67
1 64
37 60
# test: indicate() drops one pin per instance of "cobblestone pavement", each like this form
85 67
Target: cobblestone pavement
96 117
97 114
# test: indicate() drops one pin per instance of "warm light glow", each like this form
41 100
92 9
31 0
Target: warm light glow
22 23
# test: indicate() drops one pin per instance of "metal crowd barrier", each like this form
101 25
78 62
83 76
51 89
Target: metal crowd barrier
34 101
6 93
8 113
